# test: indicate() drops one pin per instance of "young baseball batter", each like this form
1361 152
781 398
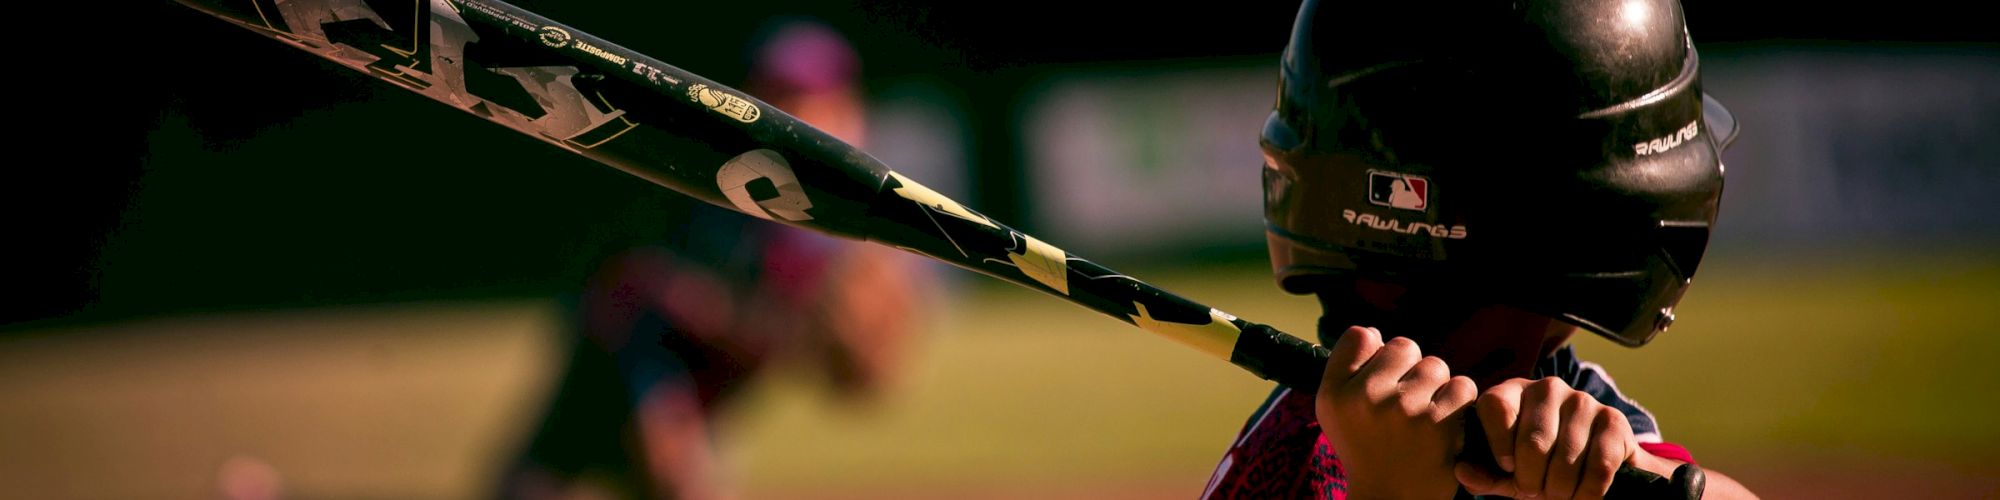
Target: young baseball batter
1464 188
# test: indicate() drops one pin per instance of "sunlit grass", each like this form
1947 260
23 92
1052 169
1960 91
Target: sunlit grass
1777 364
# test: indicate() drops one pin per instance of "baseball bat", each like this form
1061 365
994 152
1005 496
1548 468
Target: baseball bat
712 142
706 140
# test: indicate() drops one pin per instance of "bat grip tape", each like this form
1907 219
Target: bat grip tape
1280 357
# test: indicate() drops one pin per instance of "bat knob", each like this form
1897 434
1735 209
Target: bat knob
1631 483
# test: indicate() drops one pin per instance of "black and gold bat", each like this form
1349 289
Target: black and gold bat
706 140
712 142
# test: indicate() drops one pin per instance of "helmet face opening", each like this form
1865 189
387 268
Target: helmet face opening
1581 191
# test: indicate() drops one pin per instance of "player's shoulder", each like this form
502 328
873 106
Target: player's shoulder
1596 380
1581 374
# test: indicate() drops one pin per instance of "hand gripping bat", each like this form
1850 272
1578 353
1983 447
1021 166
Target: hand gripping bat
706 140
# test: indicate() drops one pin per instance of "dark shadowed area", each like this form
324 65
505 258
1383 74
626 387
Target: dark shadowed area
230 267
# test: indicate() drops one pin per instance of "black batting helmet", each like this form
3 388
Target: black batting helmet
1555 155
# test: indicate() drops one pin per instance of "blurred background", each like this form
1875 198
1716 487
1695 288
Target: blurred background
204 297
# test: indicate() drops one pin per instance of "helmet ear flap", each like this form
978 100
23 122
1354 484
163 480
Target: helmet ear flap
1683 243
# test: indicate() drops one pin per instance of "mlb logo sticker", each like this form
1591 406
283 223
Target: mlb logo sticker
1399 190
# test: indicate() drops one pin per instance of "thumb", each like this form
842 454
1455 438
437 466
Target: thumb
1479 481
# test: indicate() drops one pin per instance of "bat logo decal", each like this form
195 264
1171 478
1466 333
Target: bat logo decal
555 37
723 102
735 177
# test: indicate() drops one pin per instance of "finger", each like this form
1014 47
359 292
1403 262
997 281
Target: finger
1608 450
1499 409
1354 348
1481 481
1420 385
1429 370
1455 395
1379 377
1535 435
1448 405
1620 428
1573 436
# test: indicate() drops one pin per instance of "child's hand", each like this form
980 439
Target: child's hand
1393 416
1552 442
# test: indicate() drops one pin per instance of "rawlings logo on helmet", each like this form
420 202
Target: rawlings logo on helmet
1661 145
1379 223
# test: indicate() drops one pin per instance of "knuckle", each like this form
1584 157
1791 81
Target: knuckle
1366 335
1572 451
1547 385
1353 339
1431 362
1582 400
1536 391
1461 388
1604 465
1431 368
1616 418
1450 401
1509 388
1541 440
1580 405
1613 421
1402 347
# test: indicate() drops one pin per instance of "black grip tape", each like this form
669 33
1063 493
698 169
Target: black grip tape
1279 357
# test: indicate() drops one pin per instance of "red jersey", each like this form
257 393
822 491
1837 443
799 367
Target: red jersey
1281 453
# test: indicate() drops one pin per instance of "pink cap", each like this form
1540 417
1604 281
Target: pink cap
803 57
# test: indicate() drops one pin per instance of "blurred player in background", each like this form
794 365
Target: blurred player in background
1464 188
669 332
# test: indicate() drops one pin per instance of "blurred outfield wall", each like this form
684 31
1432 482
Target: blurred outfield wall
1842 145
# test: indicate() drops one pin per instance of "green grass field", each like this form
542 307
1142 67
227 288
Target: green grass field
1848 376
